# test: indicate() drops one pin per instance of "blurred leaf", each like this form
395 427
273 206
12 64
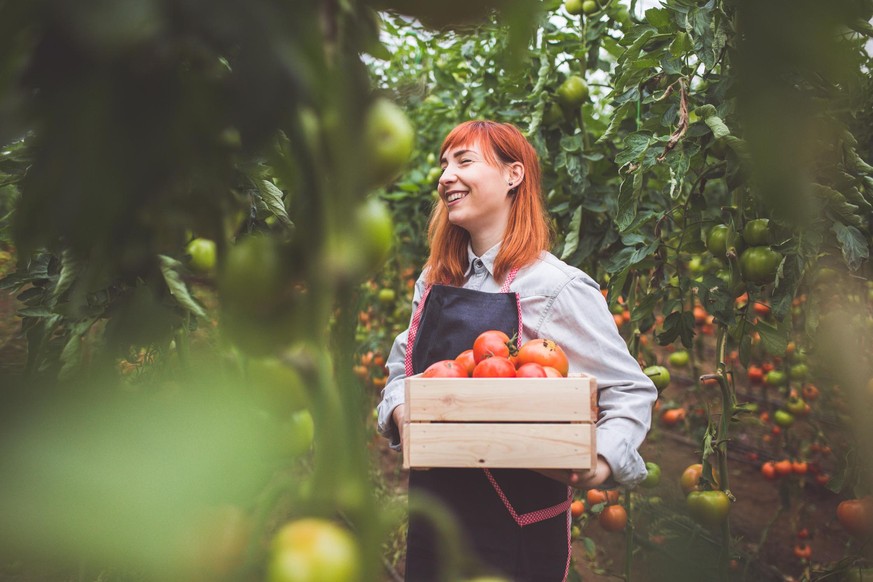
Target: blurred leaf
170 268
274 199
852 243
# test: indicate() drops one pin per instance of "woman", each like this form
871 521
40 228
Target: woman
489 268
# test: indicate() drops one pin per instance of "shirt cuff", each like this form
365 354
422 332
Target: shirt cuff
628 467
386 425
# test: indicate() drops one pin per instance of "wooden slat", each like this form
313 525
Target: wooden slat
500 399
499 445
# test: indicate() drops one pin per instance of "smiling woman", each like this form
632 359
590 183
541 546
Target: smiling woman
490 269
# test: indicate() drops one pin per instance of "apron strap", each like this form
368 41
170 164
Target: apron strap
526 518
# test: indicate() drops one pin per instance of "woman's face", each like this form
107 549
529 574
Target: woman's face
475 192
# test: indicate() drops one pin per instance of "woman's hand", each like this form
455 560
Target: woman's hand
399 416
581 478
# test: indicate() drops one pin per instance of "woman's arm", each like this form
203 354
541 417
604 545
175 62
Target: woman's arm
580 322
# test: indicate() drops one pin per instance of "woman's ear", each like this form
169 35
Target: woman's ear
516 174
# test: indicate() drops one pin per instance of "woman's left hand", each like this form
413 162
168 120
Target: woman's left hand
581 478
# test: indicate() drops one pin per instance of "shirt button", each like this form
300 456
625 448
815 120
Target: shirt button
478 265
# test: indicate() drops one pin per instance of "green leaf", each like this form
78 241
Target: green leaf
852 243
70 267
571 242
773 338
273 198
718 127
659 18
636 145
170 270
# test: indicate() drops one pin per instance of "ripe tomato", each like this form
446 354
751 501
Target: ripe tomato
544 352
673 416
799 467
856 516
313 550
577 508
783 467
768 470
531 370
494 367
491 343
612 518
803 551
708 507
467 361
595 496
551 372
445 369
690 478
756 374
810 392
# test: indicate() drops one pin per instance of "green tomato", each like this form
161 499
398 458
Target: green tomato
277 387
708 508
678 359
389 141
759 264
251 277
659 375
387 296
590 6
783 418
653 475
799 371
775 378
757 232
314 550
795 405
375 233
552 115
573 6
202 253
573 91
716 241
297 433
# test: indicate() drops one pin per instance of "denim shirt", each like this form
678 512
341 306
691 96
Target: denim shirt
561 303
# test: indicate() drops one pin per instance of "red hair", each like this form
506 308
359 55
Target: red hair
527 233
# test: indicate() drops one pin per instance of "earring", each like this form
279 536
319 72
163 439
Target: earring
510 183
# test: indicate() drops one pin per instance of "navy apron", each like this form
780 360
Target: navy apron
516 521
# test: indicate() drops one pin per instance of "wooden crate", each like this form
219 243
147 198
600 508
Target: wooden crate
525 423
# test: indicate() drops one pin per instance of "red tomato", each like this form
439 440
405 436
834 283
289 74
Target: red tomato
531 370
491 343
783 467
768 470
613 518
544 352
466 360
577 508
856 516
445 369
494 367
551 372
803 551
756 374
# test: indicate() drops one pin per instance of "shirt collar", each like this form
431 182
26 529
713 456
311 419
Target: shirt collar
487 258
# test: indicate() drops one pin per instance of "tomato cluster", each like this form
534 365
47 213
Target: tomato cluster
495 355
